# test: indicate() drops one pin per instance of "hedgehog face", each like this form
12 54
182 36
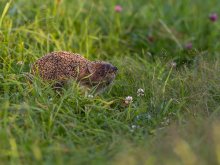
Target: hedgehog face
101 73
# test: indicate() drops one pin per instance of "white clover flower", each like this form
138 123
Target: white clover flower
140 92
90 96
173 64
128 100
138 117
148 116
133 126
20 62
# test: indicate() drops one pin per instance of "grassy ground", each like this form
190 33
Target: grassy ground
168 48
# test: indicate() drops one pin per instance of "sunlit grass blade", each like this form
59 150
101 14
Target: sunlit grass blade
4 12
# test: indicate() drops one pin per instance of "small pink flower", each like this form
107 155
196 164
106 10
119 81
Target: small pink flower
188 46
118 8
213 17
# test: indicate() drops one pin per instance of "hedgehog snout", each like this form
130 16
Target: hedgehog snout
115 69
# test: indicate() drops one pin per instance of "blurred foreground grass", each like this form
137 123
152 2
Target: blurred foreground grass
170 49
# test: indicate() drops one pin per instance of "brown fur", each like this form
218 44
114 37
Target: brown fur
62 66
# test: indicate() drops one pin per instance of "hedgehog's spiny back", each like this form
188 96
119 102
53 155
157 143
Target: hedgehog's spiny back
60 65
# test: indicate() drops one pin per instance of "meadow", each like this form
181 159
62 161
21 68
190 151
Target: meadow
169 49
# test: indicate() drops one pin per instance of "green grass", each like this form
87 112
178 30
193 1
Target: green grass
175 122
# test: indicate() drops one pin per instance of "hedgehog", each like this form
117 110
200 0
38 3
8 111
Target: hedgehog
62 66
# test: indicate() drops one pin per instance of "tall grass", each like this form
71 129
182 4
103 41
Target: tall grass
175 122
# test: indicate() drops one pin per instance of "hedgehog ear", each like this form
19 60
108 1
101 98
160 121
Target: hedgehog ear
91 67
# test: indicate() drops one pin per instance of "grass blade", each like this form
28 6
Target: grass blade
4 12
